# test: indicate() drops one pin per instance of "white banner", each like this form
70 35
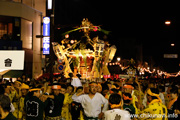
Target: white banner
12 60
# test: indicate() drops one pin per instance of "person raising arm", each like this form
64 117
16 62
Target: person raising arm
92 102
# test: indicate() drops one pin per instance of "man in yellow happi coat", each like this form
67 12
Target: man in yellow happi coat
67 101
14 97
155 110
24 91
129 89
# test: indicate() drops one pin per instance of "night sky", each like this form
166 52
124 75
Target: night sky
130 23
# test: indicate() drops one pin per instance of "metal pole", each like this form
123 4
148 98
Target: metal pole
52 40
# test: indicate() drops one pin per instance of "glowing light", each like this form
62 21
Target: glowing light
67 36
172 44
95 29
72 41
118 59
167 22
68 45
49 4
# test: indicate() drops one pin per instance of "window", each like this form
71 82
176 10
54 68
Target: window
3 30
6 27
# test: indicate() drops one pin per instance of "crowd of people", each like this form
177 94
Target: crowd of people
71 99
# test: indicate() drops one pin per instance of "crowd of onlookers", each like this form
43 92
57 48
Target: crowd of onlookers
71 99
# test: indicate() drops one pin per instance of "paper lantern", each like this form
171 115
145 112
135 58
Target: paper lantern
99 48
112 52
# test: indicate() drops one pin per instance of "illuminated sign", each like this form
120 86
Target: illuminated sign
49 4
12 60
170 55
46 26
46 34
46 45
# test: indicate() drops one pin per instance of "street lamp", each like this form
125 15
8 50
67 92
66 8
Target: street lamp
49 5
167 22
118 59
172 44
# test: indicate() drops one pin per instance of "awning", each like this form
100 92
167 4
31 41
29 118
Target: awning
13 74
2 72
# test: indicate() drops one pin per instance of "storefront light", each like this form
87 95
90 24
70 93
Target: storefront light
49 4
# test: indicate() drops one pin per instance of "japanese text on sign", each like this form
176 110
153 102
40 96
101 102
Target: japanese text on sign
46 34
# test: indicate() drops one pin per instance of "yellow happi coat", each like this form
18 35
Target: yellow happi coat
154 111
66 104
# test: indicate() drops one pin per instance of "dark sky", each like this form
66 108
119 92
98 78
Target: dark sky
143 22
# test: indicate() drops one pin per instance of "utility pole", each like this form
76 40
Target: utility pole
50 13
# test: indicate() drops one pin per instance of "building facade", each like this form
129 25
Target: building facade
20 22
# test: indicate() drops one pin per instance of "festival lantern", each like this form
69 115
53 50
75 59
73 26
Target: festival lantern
112 52
99 48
